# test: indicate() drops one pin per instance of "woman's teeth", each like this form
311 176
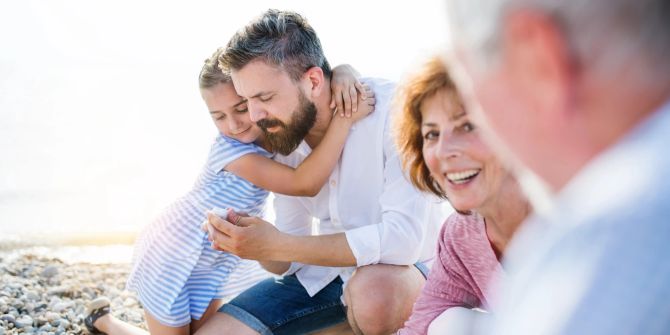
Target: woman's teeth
462 176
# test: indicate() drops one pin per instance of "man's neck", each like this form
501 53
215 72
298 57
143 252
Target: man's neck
606 107
323 116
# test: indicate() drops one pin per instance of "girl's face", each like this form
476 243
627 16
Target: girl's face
229 113
463 166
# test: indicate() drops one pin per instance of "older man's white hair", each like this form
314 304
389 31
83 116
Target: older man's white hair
602 34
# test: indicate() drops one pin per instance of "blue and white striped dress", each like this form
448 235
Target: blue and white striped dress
175 271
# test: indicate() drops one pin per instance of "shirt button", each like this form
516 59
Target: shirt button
332 182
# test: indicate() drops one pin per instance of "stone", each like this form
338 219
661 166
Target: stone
49 271
32 296
64 323
60 306
8 318
51 316
24 321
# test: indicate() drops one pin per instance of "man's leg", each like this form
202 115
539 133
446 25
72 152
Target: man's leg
279 306
380 297
342 328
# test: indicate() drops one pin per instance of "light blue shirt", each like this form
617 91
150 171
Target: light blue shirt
599 261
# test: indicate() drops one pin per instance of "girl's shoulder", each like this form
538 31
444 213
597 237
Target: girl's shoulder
229 145
225 150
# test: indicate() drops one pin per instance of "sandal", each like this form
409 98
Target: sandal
96 309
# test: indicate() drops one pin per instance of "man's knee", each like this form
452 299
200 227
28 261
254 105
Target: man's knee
380 297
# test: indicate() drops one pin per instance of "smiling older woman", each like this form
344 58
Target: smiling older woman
443 153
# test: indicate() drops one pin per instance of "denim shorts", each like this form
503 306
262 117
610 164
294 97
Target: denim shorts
282 306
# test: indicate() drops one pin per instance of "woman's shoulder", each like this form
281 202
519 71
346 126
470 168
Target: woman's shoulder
463 228
457 222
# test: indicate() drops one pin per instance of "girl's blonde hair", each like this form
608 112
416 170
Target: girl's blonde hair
211 74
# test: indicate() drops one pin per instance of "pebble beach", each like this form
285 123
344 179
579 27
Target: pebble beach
45 290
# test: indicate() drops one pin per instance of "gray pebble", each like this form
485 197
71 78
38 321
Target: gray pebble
8 318
51 316
24 321
32 296
49 271
61 306
64 323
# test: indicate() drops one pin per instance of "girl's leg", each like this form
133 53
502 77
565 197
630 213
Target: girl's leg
211 310
156 327
113 326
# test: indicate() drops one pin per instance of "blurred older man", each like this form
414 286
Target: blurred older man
579 91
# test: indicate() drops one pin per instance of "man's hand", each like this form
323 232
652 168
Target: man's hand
249 237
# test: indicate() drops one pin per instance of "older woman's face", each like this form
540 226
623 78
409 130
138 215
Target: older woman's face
460 162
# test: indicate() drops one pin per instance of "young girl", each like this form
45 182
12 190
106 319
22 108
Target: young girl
179 279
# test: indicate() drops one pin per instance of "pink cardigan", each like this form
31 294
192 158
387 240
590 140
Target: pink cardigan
461 274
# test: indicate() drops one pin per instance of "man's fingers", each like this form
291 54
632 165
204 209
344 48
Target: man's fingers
220 224
245 221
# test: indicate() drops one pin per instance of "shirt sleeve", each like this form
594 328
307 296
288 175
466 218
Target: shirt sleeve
398 239
225 150
444 289
292 218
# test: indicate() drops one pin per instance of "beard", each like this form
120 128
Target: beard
289 136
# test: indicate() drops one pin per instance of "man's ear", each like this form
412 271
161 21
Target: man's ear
315 81
540 60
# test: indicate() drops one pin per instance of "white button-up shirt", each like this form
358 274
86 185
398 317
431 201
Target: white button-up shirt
385 219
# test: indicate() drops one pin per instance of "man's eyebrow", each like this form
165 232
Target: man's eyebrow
259 94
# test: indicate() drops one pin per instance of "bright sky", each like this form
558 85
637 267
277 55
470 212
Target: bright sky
101 122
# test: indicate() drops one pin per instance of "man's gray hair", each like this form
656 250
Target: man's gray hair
601 33
281 38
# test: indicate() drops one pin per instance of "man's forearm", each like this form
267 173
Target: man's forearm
324 250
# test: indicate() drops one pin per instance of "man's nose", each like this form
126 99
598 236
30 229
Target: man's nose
256 112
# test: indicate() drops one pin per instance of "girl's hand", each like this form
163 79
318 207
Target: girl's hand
365 107
346 90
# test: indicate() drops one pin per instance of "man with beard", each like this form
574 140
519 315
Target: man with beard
364 262
579 92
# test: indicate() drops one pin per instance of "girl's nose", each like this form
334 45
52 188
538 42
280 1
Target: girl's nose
233 124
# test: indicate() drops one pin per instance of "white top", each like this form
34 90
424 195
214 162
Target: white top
597 262
386 220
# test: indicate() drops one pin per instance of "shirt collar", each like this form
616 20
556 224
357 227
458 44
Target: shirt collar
618 176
